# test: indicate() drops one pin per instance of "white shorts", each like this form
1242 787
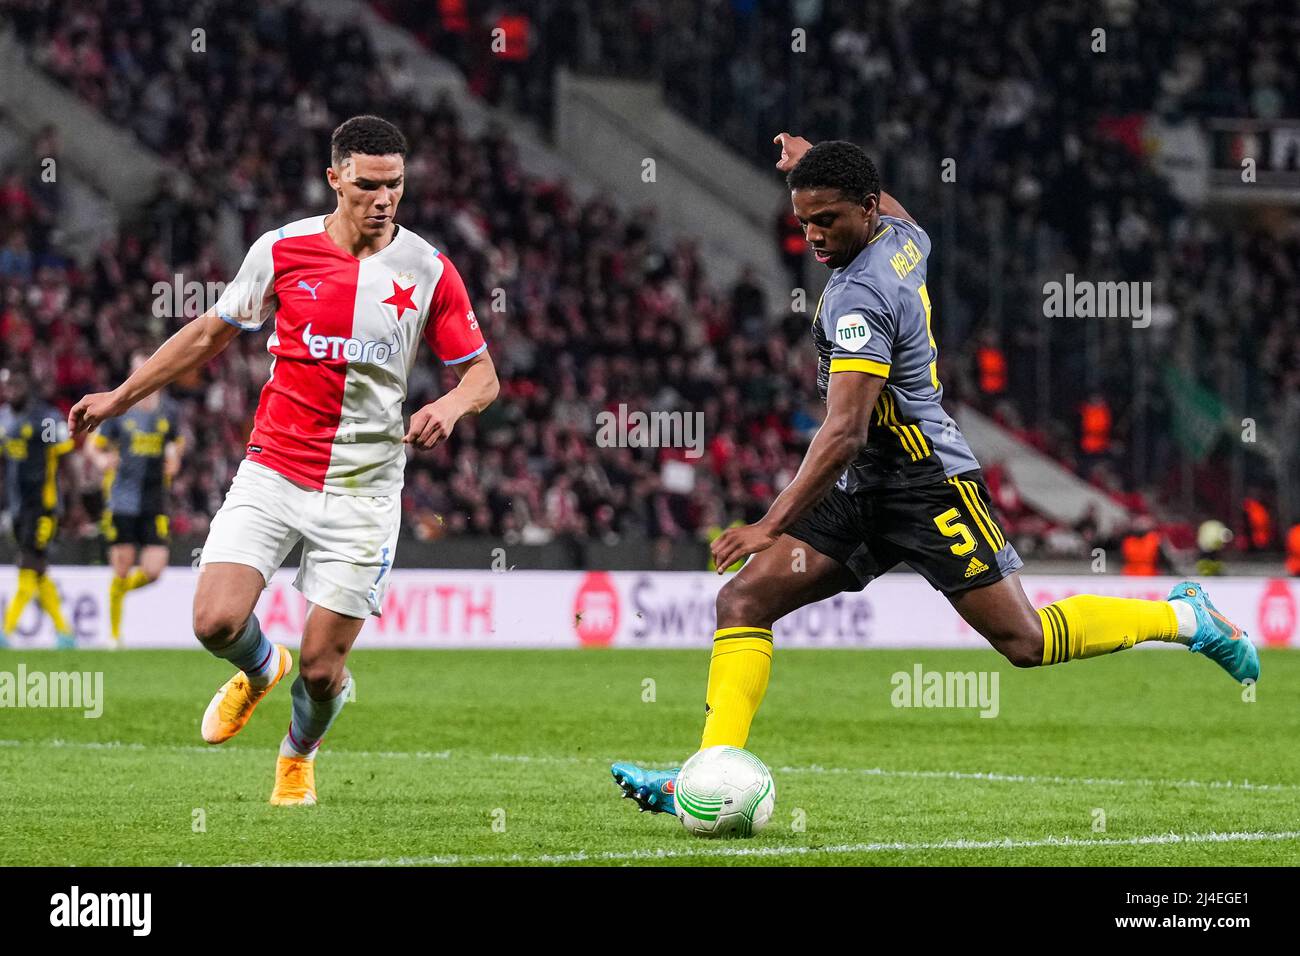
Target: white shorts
348 540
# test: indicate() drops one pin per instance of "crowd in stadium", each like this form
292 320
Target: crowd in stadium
592 312
921 83
583 307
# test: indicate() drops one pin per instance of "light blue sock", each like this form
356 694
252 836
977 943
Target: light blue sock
252 653
311 719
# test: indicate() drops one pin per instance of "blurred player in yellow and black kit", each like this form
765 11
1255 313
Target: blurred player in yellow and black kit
33 437
139 453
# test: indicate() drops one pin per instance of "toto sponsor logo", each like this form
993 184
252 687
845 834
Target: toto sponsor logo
595 610
1277 613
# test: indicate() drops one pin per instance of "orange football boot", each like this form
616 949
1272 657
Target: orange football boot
231 707
295 782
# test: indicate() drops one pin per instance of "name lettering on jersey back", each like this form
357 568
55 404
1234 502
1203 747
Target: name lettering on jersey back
906 259
366 352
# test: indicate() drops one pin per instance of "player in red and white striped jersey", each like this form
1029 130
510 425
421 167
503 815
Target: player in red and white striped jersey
349 296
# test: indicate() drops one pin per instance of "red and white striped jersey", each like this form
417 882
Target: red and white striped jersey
345 337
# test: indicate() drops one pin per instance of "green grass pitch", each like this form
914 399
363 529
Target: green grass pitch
501 757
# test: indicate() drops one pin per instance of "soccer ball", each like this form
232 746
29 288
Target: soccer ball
725 792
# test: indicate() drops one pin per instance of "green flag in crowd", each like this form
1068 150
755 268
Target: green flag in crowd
1198 415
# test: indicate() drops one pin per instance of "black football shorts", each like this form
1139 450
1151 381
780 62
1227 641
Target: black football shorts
945 531
141 530
34 528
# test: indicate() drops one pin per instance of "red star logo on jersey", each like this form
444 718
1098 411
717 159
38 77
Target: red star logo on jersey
401 298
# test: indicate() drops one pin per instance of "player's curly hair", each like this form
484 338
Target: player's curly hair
369 135
836 164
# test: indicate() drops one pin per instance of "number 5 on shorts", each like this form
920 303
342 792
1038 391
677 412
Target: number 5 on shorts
950 527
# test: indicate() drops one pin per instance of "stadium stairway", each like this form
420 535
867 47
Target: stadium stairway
610 128
86 219
107 173
1045 486
92 179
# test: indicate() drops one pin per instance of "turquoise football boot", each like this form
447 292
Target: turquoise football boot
651 789
66 641
1216 637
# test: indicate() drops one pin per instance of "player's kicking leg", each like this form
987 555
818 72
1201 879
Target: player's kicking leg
773 583
225 624
250 537
319 693
1088 625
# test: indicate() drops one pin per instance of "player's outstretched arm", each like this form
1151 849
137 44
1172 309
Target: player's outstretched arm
195 344
477 389
850 400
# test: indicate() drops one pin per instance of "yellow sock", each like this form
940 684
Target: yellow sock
117 589
1086 625
136 579
738 672
48 595
27 588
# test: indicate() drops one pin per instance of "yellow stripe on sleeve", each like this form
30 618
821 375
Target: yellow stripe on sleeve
860 365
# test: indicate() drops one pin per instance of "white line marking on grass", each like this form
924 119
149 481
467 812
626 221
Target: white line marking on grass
582 856
452 755
138 747
993 777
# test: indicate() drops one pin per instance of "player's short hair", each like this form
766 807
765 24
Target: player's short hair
369 135
836 164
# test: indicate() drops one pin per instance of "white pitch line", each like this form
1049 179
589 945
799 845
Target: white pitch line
581 856
136 746
994 777
975 776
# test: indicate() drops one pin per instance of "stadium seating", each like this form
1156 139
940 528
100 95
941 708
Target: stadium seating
595 312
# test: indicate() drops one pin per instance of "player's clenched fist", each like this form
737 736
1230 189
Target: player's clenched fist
93 410
792 150
433 423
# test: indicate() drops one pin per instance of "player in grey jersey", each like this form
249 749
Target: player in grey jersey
139 453
874 317
888 479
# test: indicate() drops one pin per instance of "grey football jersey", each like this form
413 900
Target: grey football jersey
34 440
139 484
875 317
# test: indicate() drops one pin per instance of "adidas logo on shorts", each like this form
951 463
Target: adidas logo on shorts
975 567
